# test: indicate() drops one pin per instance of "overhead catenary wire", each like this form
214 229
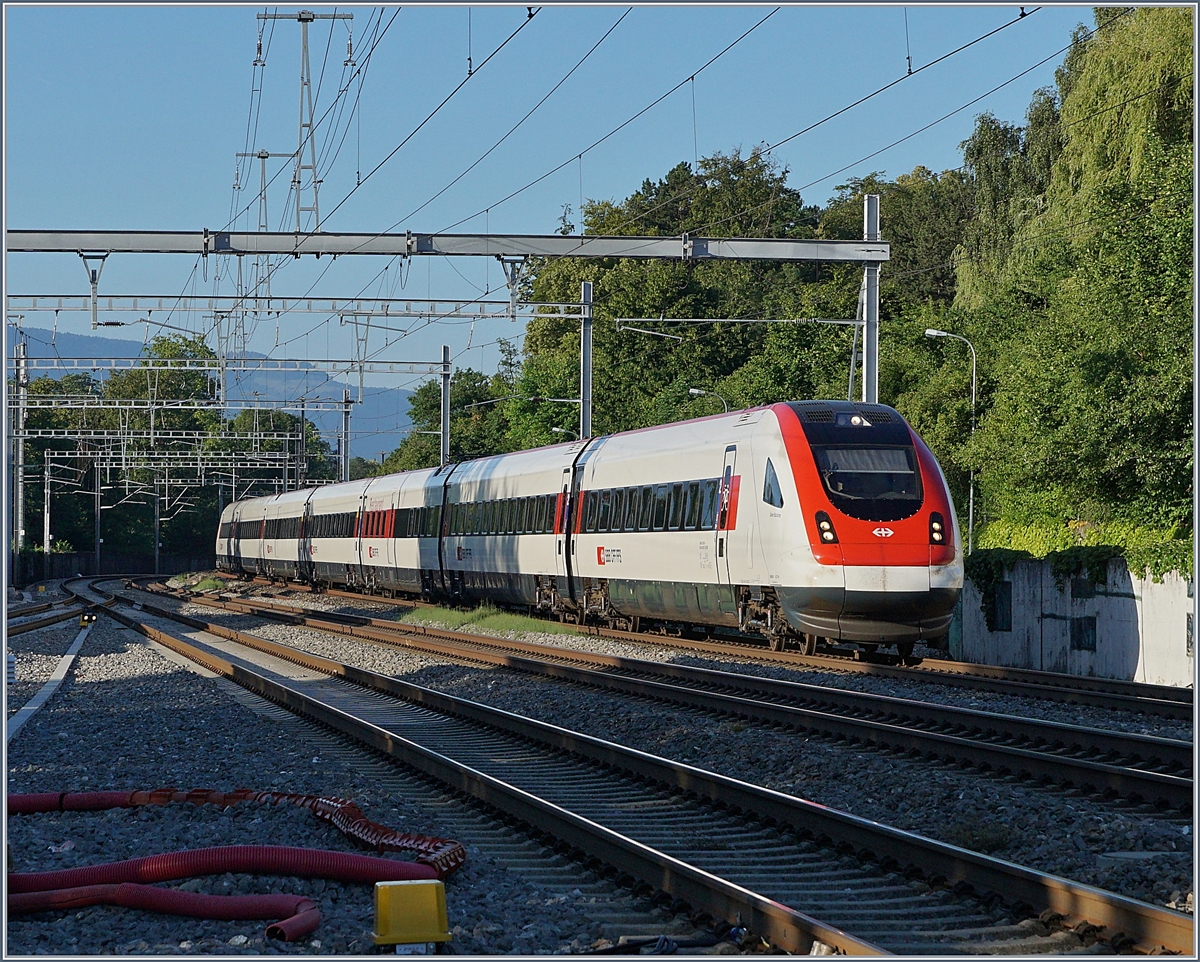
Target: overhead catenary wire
575 156
837 113
579 63
395 150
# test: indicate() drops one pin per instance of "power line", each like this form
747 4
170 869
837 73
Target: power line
577 156
396 149
837 113
513 129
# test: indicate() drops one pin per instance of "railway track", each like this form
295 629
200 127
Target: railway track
1136 767
795 872
71 609
1114 694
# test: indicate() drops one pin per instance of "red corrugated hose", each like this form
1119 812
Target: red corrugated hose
116 882
299 914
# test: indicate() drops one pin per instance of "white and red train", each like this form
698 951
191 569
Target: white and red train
804 520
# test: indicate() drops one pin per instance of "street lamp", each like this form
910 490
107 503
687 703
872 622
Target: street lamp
696 392
932 332
571 434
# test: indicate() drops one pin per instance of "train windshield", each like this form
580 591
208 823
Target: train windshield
871 483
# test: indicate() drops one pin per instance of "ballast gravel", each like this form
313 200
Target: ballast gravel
1064 833
128 718
38 653
924 689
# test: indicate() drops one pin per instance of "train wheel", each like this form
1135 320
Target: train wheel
778 642
809 644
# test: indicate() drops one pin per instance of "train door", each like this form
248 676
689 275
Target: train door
235 539
726 508
304 561
561 536
360 521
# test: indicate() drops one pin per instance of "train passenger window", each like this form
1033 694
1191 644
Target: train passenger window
591 505
646 511
618 510
632 500
772 493
605 510
539 522
708 516
676 513
660 507
692 516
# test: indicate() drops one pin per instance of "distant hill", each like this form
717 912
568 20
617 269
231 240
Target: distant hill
378 424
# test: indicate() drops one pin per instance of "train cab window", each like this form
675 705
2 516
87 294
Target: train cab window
659 521
675 515
772 494
871 483
708 516
605 511
692 515
591 507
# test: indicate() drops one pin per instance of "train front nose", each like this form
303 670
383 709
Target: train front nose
877 511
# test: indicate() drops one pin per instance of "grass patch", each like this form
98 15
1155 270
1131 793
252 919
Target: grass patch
485 616
209 584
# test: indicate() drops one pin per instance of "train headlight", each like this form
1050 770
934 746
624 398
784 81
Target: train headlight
937 528
825 526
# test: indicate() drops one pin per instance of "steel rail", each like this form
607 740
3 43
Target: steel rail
22 627
1136 697
1138 767
1123 922
22 611
784 926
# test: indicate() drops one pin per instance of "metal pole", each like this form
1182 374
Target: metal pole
157 517
19 451
346 434
97 516
871 304
585 363
445 432
46 520
302 457
971 495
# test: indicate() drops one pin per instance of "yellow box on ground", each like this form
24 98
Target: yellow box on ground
411 911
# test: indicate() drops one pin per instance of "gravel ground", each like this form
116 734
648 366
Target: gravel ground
920 690
129 718
38 653
1059 832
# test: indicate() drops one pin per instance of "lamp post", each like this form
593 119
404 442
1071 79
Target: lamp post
571 434
932 332
696 392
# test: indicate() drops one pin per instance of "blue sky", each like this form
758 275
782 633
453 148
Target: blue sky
129 118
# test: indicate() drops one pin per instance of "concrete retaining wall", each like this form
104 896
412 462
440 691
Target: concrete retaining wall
1129 628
